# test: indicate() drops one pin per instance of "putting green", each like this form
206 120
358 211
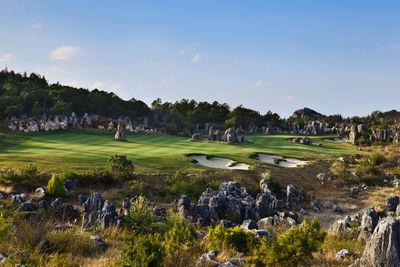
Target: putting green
77 150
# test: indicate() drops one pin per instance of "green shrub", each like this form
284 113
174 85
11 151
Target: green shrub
178 233
75 242
190 188
353 159
235 238
291 248
183 184
139 217
376 159
95 175
396 170
121 165
5 227
55 186
19 177
144 251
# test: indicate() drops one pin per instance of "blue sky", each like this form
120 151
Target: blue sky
338 56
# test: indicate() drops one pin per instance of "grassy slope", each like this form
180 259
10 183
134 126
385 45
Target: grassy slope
150 152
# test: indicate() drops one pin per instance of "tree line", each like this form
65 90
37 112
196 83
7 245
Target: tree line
32 96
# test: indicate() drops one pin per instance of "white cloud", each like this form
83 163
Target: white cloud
66 53
97 85
36 26
6 57
259 86
196 58
75 83
289 98
187 50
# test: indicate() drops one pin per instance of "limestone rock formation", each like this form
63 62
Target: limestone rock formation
120 135
383 248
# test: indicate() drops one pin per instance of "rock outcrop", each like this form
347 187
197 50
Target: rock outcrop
383 248
120 135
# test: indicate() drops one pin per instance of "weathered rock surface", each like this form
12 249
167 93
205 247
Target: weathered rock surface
383 248
120 135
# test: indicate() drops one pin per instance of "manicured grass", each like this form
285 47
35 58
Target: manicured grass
77 150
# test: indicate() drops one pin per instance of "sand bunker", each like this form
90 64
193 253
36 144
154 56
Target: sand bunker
219 163
281 161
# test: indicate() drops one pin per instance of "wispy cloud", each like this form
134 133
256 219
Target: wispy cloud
6 57
188 49
197 58
289 98
259 86
190 52
36 26
66 53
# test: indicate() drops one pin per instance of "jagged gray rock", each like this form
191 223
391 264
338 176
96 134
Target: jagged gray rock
383 248
369 220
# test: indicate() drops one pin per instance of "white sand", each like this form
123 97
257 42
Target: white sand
219 163
287 162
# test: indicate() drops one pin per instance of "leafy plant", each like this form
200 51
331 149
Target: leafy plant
55 186
291 248
235 238
139 218
121 165
144 251
179 233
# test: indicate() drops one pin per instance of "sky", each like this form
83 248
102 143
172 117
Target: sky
337 57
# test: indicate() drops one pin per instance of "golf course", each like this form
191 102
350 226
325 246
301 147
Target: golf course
79 150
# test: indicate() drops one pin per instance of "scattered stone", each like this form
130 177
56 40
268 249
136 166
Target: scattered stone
44 245
99 241
3 259
323 177
369 220
249 225
392 203
196 137
208 258
342 254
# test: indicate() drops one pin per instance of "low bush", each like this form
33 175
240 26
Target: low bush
376 159
144 251
291 248
121 165
19 177
140 218
75 242
5 227
183 184
55 186
179 233
396 170
235 238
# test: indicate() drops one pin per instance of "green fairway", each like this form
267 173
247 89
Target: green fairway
79 150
